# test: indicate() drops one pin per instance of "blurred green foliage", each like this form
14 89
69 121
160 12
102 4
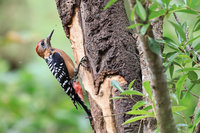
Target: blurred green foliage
31 100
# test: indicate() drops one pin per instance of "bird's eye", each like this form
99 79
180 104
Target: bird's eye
42 43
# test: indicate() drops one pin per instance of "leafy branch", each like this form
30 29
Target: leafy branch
142 109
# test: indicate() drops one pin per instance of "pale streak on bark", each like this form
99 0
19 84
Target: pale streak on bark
103 99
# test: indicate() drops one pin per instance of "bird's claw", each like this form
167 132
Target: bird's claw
83 63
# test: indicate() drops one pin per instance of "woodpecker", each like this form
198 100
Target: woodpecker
62 67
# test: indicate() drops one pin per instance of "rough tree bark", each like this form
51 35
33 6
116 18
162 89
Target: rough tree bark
111 49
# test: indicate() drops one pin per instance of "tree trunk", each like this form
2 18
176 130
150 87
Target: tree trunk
111 49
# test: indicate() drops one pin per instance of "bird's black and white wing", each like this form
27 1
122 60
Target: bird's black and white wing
58 68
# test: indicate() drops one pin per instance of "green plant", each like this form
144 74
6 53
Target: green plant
142 109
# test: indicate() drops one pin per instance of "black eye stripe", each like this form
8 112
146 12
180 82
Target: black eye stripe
42 43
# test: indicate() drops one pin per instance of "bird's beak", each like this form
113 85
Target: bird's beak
49 37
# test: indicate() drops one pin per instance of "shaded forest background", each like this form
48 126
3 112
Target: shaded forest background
31 100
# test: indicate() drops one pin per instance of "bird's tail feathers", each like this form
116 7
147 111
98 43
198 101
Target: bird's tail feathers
77 100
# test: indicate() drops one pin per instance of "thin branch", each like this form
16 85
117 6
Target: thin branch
105 115
195 52
192 9
176 17
186 89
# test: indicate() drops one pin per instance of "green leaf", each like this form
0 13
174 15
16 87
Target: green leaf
117 98
177 63
193 64
190 41
147 107
179 29
194 4
171 43
144 28
154 6
169 54
138 105
183 56
197 47
174 8
184 26
140 112
154 46
132 92
196 26
111 2
196 117
133 13
171 59
179 85
192 75
196 82
160 41
195 123
135 119
171 70
134 25
166 2
131 84
140 11
178 108
147 87
188 69
116 84
155 14
189 11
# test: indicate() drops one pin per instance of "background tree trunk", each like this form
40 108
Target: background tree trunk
111 49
